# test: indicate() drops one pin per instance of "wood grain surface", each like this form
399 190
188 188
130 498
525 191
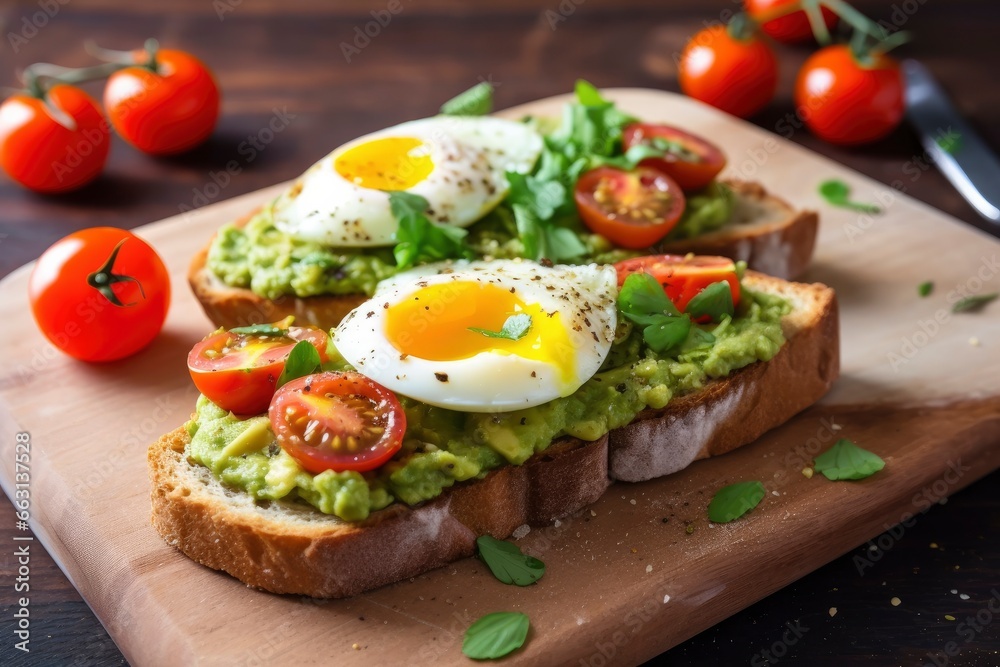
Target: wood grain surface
268 55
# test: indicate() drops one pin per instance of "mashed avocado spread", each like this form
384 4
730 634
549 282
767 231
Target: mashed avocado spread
442 446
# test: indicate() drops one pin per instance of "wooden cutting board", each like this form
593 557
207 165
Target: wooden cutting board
637 573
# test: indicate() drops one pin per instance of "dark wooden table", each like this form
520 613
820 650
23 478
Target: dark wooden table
286 57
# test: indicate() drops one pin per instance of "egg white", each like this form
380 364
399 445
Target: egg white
470 156
585 297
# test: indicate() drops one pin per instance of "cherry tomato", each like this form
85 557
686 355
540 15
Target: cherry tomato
100 294
337 421
633 209
846 101
165 109
738 76
53 148
238 371
683 277
690 160
790 28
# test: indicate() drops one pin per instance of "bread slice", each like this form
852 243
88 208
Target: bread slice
288 547
767 233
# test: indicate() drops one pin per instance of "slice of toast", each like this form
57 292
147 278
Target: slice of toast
767 233
289 547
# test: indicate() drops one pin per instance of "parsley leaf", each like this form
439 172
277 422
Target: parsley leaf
665 332
514 328
837 193
495 635
641 298
476 101
733 501
716 301
259 330
507 563
974 303
925 288
845 460
420 239
302 360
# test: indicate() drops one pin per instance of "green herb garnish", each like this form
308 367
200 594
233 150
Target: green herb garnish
302 360
949 141
259 330
476 101
925 288
715 301
418 237
643 301
507 563
733 501
514 328
837 193
495 635
974 303
845 460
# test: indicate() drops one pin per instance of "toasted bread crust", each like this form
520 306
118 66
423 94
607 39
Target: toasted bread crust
292 548
768 234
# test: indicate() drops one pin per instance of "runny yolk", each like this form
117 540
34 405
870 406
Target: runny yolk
435 323
391 163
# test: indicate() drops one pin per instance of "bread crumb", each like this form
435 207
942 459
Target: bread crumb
934 545
593 513
775 493
807 473
666 599
949 617
954 591
649 568
835 427
356 646
634 550
895 602
632 502
963 596
521 531
974 342
833 612
557 523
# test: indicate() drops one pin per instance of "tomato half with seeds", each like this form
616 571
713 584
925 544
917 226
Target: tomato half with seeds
337 421
683 277
690 160
632 209
239 370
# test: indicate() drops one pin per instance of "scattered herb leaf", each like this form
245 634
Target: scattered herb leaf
514 328
837 193
259 330
476 101
642 297
302 360
665 332
974 303
716 301
420 239
949 141
733 501
925 288
507 563
845 460
495 635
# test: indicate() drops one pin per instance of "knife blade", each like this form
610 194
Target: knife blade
964 158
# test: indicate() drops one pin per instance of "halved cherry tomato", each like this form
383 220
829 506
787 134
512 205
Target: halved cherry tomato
167 103
53 148
690 160
738 76
846 100
683 277
790 28
100 294
239 371
337 421
633 209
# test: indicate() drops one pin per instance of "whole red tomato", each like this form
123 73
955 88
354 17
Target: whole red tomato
736 75
99 294
166 107
790 28
56 147
847 100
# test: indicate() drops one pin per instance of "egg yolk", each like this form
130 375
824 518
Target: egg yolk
391 163
437 322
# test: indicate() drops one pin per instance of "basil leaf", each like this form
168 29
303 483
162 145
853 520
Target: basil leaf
420 239
972 304
665 332
716 300
733 501
514 328
642 297
302 360
845 460
588 95
926 288
837 193
507 563
495 635
259 330
476 101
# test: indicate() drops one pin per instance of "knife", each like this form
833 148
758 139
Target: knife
958 150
